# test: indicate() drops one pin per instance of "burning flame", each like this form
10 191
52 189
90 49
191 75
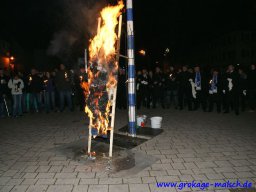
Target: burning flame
103 44
102 69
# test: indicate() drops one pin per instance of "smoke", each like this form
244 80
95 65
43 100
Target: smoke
77 23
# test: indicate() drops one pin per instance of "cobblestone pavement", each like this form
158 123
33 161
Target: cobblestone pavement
218 147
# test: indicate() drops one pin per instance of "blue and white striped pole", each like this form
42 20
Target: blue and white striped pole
131 70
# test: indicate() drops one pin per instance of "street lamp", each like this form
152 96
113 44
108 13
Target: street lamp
142 52
11 59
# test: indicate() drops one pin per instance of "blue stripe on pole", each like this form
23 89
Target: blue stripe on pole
130 42
131 71
132 128
129 14
132 99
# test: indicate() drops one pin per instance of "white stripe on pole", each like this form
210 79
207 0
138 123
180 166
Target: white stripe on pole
130 55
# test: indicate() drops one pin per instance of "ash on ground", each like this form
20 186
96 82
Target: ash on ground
123 163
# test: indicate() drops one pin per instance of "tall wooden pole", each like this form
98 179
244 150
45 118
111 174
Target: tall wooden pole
115 89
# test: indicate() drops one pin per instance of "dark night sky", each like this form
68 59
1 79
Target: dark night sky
178 24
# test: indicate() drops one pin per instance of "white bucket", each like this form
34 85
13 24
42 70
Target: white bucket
156 122
141 119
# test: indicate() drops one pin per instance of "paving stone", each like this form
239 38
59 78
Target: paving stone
30 175
4 180
203 165
9 173
46 181
58 188
19 188
202 171
167 178
148 179
55 169
37 188
29 181
230 175
14 182
43 168
223 163
65 175
139 188
133 180
101 175
187 178
158 167
45 175
67 181
245 174
173 172
80 188
31 169
186 172
119 188
7 188
242 169
214 176
200 177
59 163
157 173
97 188
224 169
88 181
18 175
110 181
190 165
178 166
86 175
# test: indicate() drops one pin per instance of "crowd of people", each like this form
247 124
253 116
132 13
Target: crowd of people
230 90
40 91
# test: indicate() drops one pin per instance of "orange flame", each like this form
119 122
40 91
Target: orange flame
103 44
102 50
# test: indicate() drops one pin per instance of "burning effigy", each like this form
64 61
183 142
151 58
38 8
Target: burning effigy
102 71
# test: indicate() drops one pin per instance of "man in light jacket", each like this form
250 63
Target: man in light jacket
16 85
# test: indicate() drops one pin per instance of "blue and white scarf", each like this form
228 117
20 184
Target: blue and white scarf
214 83
198 81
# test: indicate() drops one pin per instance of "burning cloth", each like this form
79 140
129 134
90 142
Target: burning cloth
102 70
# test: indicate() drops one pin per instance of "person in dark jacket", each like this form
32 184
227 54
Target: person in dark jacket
49 92
138 89
201 88
231 90
215 91
64 87
158 90
4 90
145 89
242 88
35 87
251 88
184 88
172 88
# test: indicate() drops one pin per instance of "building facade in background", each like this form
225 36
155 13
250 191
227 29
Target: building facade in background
237 48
